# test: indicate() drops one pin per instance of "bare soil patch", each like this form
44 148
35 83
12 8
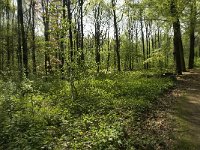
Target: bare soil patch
187 111
176 118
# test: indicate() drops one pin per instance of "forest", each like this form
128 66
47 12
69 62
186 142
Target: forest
87 74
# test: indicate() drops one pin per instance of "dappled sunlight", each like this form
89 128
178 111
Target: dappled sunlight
188 110
98 74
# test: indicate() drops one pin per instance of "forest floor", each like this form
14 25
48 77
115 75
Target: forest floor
176 119
132 110
186 111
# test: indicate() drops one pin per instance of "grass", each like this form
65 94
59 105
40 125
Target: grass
41 115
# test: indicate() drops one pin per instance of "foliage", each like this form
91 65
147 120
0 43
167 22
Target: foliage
197 62
42 116
59 88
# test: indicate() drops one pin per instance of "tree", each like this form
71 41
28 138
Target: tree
192 31
23 35
76 32
8 33
82 57
46 22
33 3
63 36
71 51
178 47
142 38
97 16
116 34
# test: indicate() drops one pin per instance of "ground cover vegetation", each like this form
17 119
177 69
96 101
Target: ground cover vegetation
82 74
43 116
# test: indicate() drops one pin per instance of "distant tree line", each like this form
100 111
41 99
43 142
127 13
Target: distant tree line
65 38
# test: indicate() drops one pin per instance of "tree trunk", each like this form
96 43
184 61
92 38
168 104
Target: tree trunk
159 38
177 38
13 41
192 37
147 44
33 37
8 35
19 50
108 58
97 14
45 7
82 33
143 42
72 86
181 50
136 42
24 39
117 41
1 43
62 44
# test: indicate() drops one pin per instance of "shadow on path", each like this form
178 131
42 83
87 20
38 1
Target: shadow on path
187 111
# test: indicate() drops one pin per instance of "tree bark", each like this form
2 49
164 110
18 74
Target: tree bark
33 37
71 52
1 44
192 36
45 7
108 55
97 36
24 39
19 50
177 38
117 41
82 32
143 42
8 35
62 44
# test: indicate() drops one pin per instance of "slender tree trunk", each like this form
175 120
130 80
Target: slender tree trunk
155 41
24 39
192 30
136 42
1 43
143 43
62 44
8 35
77 41
72 86
68 2
19 50
159 38
199 51
117 41
82 32
108 44
97 14
147 43
33 37
12 41
45 8
152 42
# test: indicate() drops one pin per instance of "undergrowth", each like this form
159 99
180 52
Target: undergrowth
41 115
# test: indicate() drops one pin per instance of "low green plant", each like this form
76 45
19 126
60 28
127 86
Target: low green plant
41 115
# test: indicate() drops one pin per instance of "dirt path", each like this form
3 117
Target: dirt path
187 111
